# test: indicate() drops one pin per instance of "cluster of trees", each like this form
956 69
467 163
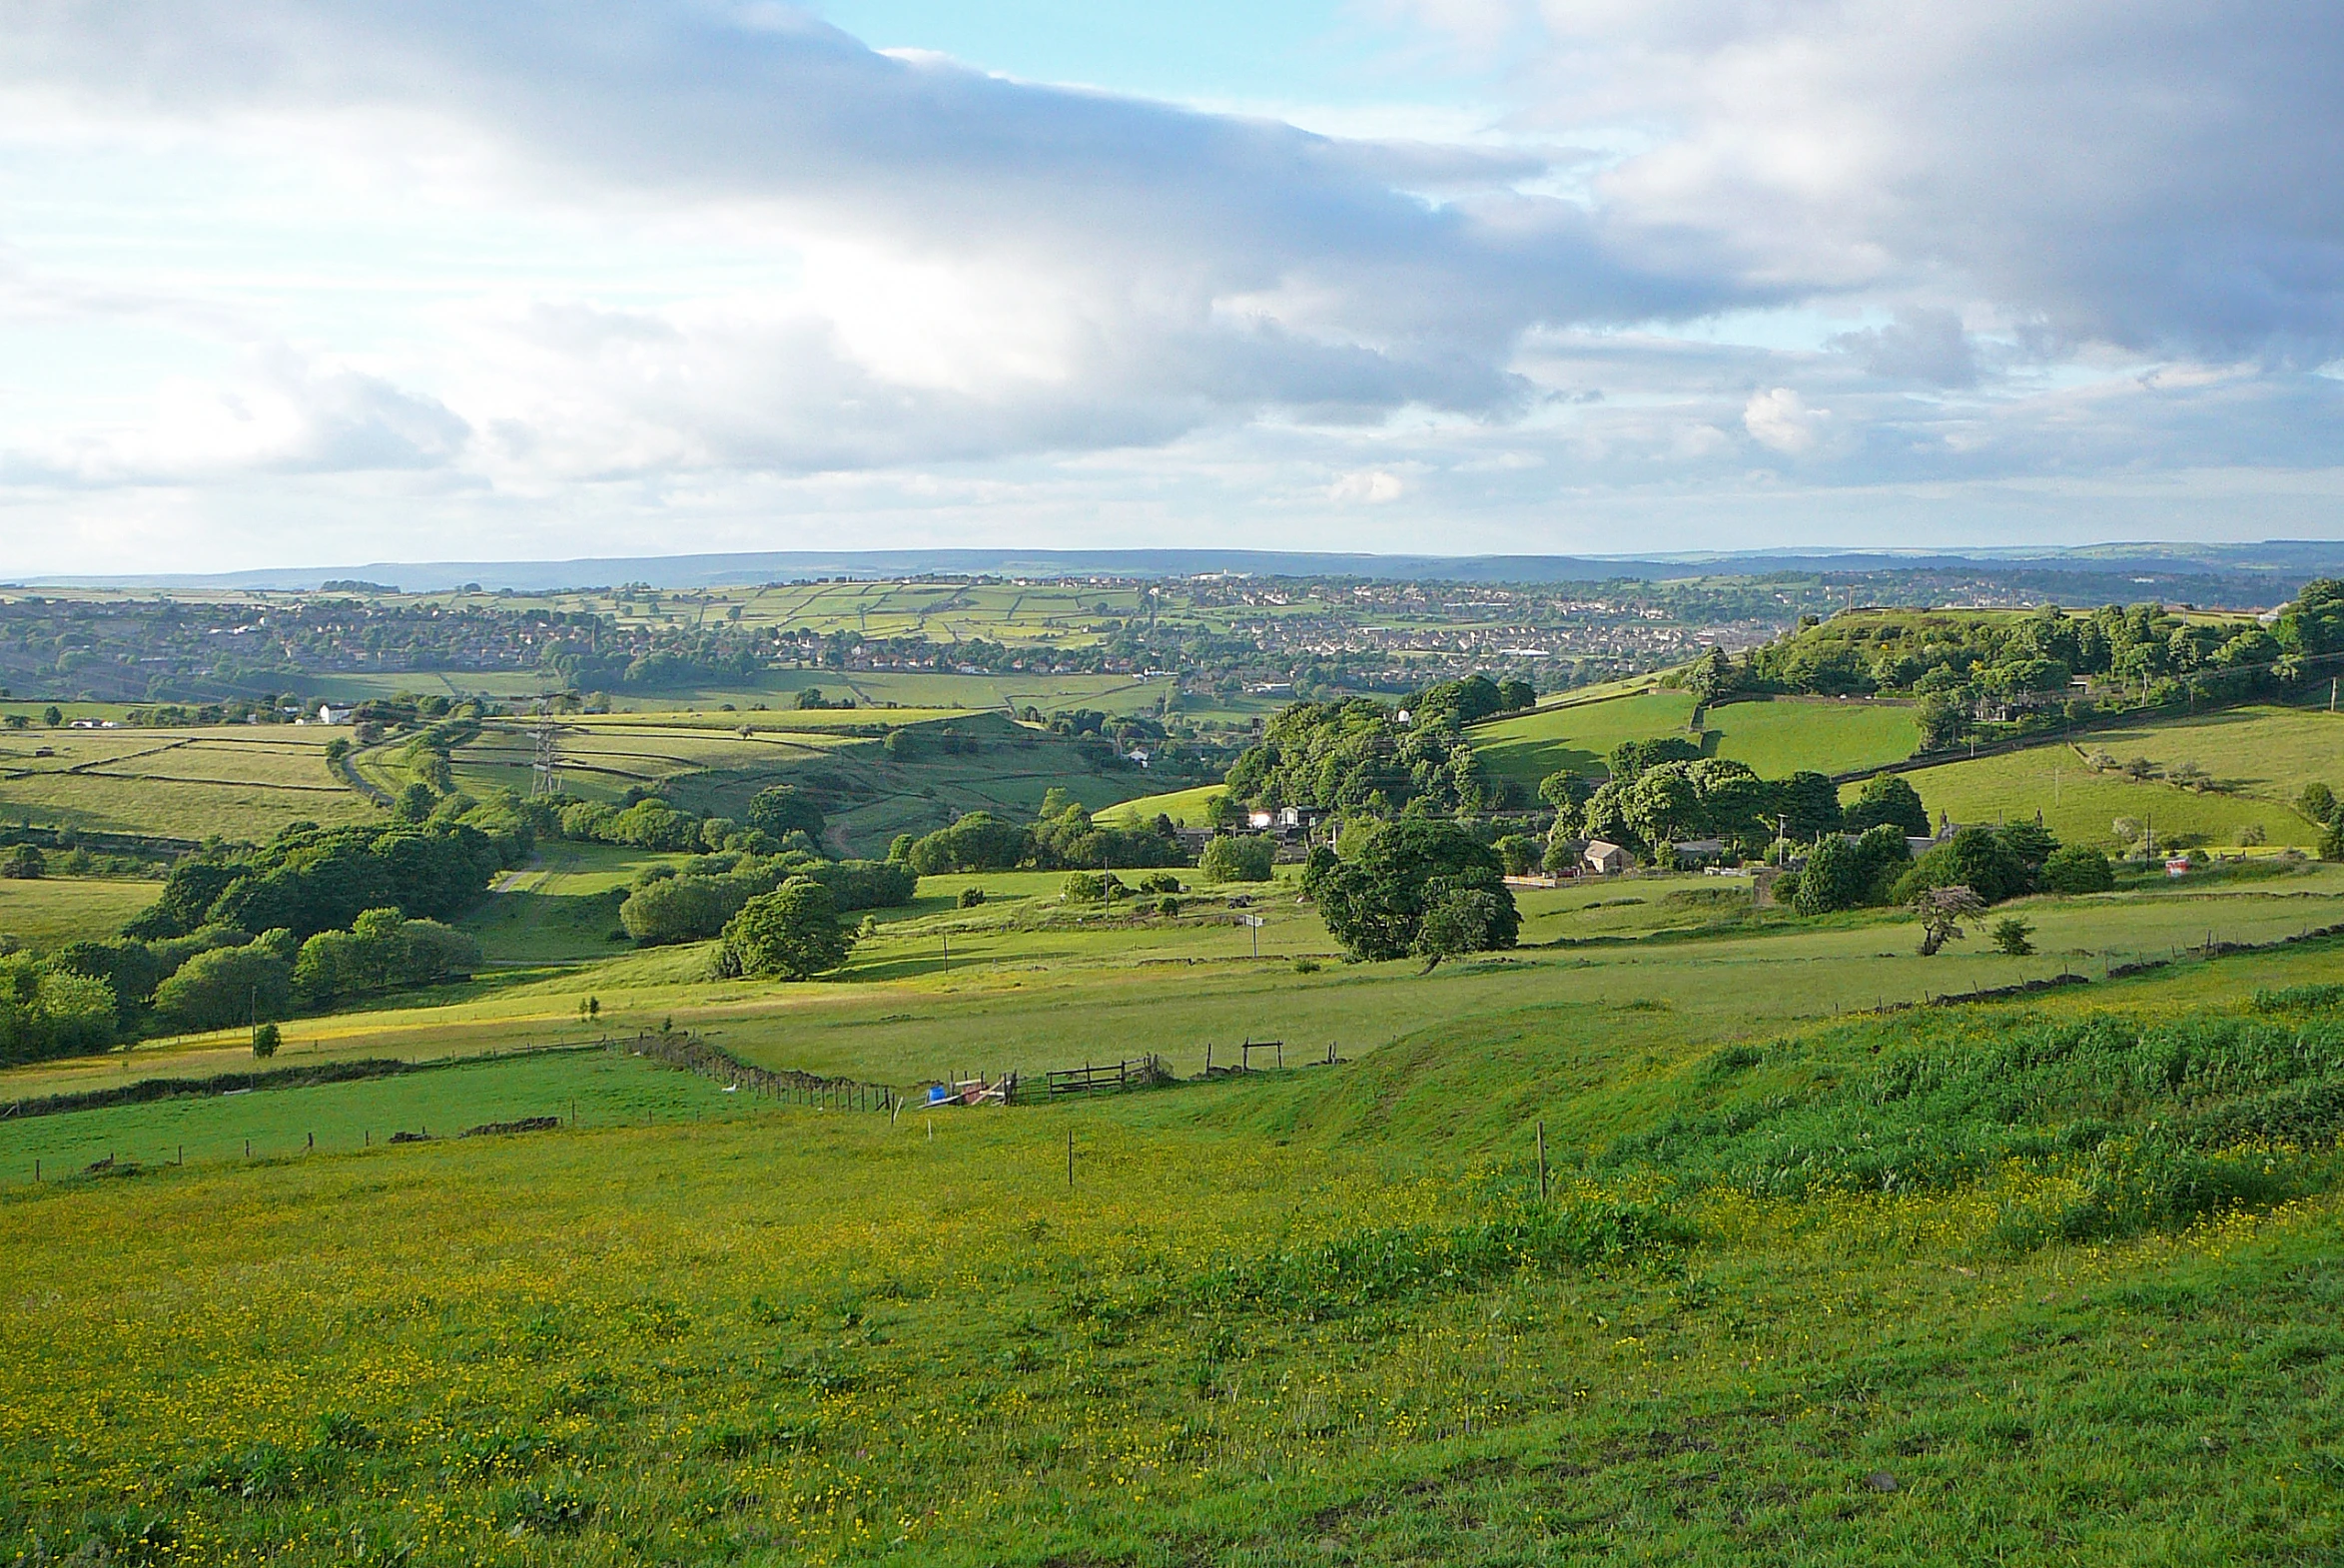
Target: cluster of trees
1994 864
1416 886
1355 756
1662 791
1969 668
1238 858
791 933
311 878
697 902
781 818
1066 838
48 1010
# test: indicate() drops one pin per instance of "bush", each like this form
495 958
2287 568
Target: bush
971 898
2079 868
266 1038
25 863
1233 858
1520 853
1091 887
2011 935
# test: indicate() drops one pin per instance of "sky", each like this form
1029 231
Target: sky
302 283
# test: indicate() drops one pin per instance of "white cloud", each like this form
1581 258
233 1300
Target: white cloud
1781 418
1371 486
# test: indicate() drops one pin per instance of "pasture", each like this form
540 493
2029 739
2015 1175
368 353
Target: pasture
1776 738
52 911
1313 1315
1187 807
2082 806
241 782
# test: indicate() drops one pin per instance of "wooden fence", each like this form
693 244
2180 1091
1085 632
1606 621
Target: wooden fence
1119 1079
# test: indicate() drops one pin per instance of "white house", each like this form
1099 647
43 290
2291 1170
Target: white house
1604 859
327 713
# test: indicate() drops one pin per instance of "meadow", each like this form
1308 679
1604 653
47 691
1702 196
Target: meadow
2259 758
238 781
1776 738
1307 1316
53 910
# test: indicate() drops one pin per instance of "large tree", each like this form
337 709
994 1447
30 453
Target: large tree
1376 904
792 931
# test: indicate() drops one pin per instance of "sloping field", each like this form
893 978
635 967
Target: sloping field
241 781
1185 806
1531 745
56 910
1787 735
2082 807
2266 751
602 757
1776 738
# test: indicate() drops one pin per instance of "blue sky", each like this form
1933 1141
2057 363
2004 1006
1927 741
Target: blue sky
295 281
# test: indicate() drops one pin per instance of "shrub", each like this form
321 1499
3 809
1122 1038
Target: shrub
2317 802
25 863
2011 935
1231 857
971 898
2079 868
266 1038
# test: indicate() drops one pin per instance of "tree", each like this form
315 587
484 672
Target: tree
1231 857
25 863
416 802
266 1038
780 810
1942 913
1458 922
52 715
1887 797
2010 936
1974 859
1520 853
226 986
1375 904
1810 806
979 841
792 931
2317 802
2077 868
1833 879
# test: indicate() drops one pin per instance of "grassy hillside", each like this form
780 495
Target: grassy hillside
1314 1317
1185 807
241 782
56 910
1776 738
2265 755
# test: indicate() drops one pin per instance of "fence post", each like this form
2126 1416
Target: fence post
1070 1159
1542 1162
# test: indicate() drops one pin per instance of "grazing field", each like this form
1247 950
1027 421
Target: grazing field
605 1088
1187 807
240 781
2082 807
1573 734
1787 735
1321 1314
2263 751
563 907
53 910
1776 738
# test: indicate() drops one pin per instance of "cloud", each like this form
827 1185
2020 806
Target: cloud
1371 486
1781 418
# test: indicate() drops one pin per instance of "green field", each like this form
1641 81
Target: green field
1185 806
1315 1315
2268 755
1775 738
600 1088
240 781
53 910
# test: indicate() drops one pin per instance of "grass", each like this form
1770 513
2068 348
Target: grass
601 1088
1313 1317
242 782
2082 807
1787 735
1187 807
1577 735
1775 738
563 907
53 910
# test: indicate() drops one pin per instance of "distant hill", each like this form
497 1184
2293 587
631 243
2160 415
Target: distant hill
2169 569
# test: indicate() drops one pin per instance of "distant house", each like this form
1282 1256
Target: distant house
329 714
1136 756
1260 819
1699 852
1607 860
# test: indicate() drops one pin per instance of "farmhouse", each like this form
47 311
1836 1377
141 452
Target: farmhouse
1604 859
329 714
